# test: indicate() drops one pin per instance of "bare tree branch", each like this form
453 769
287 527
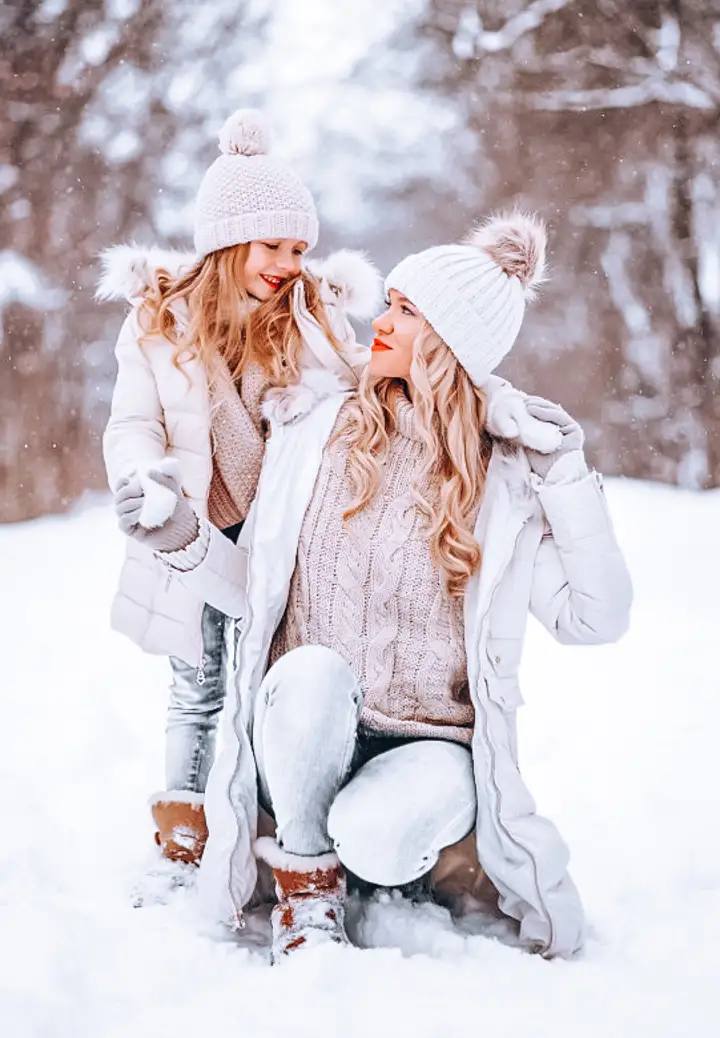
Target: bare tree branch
634 96
531 18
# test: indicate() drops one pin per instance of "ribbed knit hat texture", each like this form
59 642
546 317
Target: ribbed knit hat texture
474 293
248 195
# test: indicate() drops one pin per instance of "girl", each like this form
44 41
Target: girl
206 336
382 623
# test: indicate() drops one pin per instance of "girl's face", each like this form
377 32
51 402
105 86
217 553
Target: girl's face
395 333
269 263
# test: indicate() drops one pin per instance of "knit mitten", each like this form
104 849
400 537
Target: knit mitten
173 533
311 897
572 435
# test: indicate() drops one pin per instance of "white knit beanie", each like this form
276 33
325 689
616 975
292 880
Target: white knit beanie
246 195
473 294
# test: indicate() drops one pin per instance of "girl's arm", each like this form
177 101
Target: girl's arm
135 435
213 569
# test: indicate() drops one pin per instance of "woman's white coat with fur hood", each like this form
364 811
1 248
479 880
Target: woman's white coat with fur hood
548 549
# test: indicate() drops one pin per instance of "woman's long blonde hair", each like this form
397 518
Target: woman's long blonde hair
450 414
223 322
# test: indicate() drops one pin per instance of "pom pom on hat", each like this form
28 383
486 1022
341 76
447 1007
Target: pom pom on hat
516 242
245 132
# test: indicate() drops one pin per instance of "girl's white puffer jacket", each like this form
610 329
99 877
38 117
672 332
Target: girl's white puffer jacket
160 414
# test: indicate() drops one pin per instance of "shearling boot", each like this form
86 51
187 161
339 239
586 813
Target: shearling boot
311 896
181 829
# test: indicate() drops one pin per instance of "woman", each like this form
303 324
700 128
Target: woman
388 586
206 336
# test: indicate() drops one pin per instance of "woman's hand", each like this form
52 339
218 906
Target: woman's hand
572 435
173 533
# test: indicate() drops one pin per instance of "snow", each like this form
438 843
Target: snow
22 282
616 742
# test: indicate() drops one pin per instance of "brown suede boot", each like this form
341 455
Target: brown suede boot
459 873
182 831
311 895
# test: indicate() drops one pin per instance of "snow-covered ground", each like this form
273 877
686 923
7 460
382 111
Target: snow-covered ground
619 745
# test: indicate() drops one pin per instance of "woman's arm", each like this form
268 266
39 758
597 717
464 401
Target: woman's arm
581 590
135 435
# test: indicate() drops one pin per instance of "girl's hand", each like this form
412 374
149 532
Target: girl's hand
572 435
175 532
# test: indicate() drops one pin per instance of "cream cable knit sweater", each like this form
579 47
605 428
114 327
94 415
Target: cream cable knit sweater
369 590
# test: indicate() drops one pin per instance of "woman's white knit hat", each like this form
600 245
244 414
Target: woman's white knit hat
246 195
474 293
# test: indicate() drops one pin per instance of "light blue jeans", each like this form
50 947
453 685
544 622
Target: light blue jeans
330 786
194 709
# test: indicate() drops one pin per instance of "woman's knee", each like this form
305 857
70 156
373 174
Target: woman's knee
392 820
314 676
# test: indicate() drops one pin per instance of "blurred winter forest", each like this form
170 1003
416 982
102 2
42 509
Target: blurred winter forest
408 118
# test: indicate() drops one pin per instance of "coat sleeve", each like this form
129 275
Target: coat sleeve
135 433
581 589
213 569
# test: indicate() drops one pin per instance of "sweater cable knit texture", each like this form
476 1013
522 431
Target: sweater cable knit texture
368 589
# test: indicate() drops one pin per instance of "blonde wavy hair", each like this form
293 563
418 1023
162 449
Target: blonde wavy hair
223 320
450 413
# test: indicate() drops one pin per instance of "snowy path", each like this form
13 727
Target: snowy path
619 748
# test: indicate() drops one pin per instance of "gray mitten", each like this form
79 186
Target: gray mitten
175 533
573 437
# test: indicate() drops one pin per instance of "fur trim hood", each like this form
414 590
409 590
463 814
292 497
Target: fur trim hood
127 270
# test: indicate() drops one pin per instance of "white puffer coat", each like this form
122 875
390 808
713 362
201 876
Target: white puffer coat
161 411
548 548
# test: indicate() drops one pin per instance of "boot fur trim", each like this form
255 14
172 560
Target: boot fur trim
267 849
177 796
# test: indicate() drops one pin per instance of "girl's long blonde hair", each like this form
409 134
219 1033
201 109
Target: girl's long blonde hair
450 414
223 321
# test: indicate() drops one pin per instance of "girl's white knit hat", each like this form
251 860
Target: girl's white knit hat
474 293
247 195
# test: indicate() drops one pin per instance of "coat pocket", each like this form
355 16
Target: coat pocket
504 660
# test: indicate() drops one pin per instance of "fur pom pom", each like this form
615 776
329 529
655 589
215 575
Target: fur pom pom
129 270
353 278
517 243
245 132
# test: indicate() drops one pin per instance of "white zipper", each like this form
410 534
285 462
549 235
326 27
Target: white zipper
200 672
491 748
239 922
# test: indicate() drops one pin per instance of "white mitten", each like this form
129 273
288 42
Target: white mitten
509 419
289 404
350 281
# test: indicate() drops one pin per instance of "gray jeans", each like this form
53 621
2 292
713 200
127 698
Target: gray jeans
194 709
329 785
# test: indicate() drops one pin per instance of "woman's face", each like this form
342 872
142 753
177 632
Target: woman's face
395 333
269 263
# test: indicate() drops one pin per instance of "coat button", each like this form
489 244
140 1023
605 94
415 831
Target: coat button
497 659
